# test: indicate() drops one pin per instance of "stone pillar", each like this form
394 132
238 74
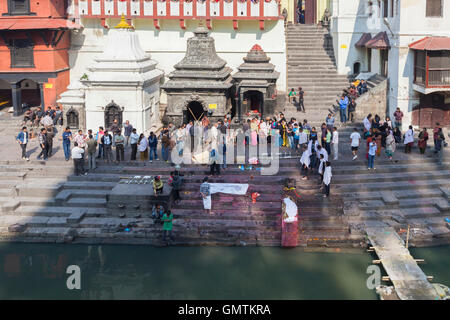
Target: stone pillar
241 99
263 112
41 89
16 93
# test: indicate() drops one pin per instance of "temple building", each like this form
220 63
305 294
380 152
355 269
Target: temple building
164 26
34 59
122 83
201 83
256 84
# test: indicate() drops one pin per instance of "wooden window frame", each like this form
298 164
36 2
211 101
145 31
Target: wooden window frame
428 2
14 63
25 13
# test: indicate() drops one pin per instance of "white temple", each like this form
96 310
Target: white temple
122 83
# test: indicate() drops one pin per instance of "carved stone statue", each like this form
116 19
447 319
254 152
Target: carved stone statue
326 18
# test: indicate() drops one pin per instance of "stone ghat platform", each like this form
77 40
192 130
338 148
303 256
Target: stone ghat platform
78 209
43 202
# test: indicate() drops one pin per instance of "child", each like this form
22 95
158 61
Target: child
157 212
371 155
292 95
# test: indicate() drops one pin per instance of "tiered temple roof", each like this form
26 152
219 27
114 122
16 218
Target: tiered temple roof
256 66
201 68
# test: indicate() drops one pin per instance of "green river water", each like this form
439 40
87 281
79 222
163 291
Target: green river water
38 271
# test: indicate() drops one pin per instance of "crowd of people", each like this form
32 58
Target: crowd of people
315 146
381 134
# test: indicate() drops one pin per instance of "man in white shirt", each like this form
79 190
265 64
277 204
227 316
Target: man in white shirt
134 137
409 139
335 143
47 121
327 179
305 162
77 156
355 139
302 137
320 151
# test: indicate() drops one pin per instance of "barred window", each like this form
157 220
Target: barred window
19 7
434 8
22 53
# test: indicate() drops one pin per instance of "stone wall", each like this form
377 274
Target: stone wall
374 101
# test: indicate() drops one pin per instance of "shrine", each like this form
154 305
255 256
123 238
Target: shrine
122 84
201 84
256 84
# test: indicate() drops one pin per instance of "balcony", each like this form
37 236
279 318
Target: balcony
259 10
431 64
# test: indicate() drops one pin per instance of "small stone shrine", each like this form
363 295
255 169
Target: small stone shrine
122 83
200 85
256 84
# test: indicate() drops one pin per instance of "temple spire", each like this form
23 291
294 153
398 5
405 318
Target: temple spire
123 24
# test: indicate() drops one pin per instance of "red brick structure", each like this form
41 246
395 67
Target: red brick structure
34 60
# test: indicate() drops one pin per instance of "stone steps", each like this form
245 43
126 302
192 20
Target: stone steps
60 211
87 202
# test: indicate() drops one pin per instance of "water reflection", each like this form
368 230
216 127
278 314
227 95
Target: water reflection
38 271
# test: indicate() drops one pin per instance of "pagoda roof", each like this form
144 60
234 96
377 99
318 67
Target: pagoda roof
201 67
256 66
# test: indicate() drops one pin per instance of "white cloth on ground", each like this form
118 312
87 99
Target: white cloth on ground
230 188
291 210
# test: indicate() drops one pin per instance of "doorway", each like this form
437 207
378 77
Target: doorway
356 68
310 11
194 111
30 93
431 109
112 112
253 100
5 94
73 120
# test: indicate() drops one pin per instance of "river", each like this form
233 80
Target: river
38 271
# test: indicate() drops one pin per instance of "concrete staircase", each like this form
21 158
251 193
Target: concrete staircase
311 65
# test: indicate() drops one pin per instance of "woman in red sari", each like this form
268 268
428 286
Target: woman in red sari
423 138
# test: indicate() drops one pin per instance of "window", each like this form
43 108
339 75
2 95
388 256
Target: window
22 53
385 8
392 8
19 7
434 8
420 68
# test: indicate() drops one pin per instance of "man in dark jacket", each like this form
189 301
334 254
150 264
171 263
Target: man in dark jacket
22 139
50 135
176 185
43 144
153 145
107 144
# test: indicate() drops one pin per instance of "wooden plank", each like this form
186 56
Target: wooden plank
409 280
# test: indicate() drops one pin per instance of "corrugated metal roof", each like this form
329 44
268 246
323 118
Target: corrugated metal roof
431 44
